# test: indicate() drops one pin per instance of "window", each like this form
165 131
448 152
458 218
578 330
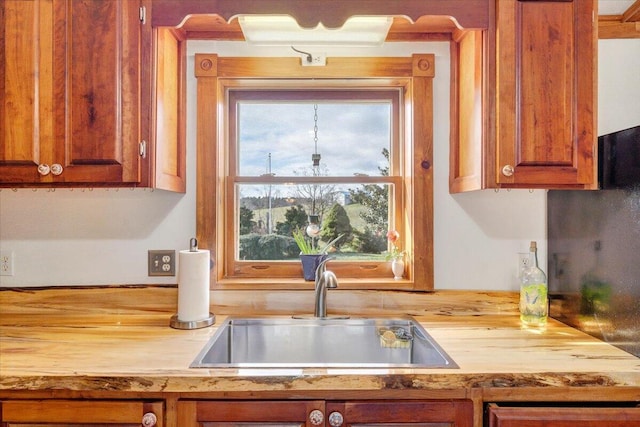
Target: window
319 156
276 152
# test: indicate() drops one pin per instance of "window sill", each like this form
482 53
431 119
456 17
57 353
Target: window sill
302 285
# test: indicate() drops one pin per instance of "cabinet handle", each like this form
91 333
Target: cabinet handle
44 169
507 170
316 417
149 419
56 169
336 419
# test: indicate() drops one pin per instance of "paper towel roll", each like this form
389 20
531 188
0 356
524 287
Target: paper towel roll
193 285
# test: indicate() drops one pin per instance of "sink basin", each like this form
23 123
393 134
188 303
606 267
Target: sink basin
321 342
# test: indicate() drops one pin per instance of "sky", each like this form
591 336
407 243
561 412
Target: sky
350 138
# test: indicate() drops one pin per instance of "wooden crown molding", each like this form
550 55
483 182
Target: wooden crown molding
216 19
625 26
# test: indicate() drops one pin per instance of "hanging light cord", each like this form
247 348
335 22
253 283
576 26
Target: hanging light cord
315 157
315 127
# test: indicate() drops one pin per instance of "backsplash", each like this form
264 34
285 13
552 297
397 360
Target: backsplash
594 263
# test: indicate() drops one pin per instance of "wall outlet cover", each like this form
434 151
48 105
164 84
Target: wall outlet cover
162 262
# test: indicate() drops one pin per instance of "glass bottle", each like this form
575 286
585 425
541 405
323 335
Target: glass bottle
533 292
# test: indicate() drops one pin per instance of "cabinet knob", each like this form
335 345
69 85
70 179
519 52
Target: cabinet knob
336 419
316 417
44 169
56 169
507 170
149 419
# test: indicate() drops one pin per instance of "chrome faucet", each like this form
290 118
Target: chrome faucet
324 279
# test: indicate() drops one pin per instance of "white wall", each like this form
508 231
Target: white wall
618 85
102 236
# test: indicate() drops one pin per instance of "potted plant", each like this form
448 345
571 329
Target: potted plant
311 255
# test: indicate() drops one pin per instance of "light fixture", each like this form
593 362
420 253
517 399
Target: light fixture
284 30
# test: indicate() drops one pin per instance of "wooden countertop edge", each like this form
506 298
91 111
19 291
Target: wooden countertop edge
309 384
30 316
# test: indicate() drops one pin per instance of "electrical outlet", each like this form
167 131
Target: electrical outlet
523 262
6 263
319 60
162 263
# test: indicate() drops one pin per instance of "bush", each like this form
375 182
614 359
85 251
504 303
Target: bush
337 223
369 242
270 246
295 217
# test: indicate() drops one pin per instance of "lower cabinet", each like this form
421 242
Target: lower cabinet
316 413
80 413
552 416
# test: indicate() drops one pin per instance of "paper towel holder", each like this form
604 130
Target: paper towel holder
176 323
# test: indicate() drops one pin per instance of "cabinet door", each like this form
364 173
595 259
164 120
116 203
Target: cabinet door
563 417
546 91
250 413
26 87
400 413
71 84
168 154
97 90
26 413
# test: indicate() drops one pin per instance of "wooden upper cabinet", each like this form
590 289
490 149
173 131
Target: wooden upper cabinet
545 94
71 83
525 110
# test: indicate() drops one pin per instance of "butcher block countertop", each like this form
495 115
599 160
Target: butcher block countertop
118 340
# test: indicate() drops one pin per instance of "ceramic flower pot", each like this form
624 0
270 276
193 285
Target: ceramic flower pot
310 263
397 267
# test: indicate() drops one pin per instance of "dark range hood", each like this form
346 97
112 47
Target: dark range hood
619 159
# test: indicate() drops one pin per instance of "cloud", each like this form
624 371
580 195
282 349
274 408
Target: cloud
351 137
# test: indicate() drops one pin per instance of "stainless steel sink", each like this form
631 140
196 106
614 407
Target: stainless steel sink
321 342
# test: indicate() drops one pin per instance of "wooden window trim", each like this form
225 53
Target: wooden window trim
291 270
215 75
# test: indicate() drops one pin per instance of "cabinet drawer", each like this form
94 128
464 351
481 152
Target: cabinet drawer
558 416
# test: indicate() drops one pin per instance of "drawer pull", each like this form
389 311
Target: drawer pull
316 417
149 419
507 170
336 419
56 169
44 169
